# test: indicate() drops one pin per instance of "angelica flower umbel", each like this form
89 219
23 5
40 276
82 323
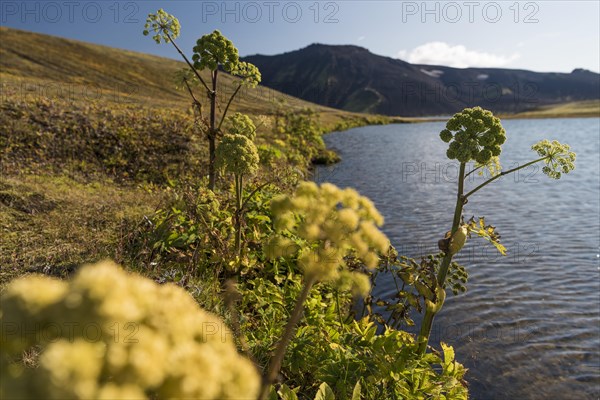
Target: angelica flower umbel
164 26
241 124
333 223
110 334
214 50
237 154
248 74
473 134
559 157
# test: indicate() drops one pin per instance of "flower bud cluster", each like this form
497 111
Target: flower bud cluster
237 154
333 223
248 73
241 124
214 50
473 134
164 26
149 341
559 157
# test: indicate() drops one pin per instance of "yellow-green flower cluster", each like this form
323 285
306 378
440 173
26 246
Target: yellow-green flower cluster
473 134
164 26
108 334
248 73
264 121
241 124
237 154
333 223
492 166
214 50
559 157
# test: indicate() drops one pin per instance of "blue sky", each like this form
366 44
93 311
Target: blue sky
544 36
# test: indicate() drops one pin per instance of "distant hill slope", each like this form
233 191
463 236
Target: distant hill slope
351 78
49 66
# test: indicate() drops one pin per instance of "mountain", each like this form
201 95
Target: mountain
352 78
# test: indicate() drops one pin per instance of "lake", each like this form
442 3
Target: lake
529 325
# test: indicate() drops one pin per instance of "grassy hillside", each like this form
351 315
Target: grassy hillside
576 109
51 67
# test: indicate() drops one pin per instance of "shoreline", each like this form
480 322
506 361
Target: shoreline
416 120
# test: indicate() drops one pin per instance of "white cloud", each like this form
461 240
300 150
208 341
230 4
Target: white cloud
441 53
403 55
361 38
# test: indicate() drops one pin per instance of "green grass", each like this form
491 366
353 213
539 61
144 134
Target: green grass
52 224
576 109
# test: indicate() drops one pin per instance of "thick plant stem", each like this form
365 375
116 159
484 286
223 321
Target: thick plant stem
212 146
212 134
427 323
277 360
425 331
238 214
212 131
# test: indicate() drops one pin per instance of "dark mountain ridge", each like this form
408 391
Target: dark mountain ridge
354 79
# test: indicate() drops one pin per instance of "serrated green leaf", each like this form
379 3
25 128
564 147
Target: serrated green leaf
448 354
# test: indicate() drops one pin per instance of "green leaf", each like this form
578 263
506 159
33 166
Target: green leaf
424 290
286 393
273 394
356 391
488 232
172 237
412 300
448 353
325 392
259 217
500 248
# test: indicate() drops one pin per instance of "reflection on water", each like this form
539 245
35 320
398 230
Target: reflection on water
529 325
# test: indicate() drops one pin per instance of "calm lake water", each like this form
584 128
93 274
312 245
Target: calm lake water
529 325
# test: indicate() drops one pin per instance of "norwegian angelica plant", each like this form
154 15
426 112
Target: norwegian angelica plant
139 348
212 52
329 223
238 155
476 135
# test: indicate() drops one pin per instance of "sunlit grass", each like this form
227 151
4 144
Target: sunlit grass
51 224
576 109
